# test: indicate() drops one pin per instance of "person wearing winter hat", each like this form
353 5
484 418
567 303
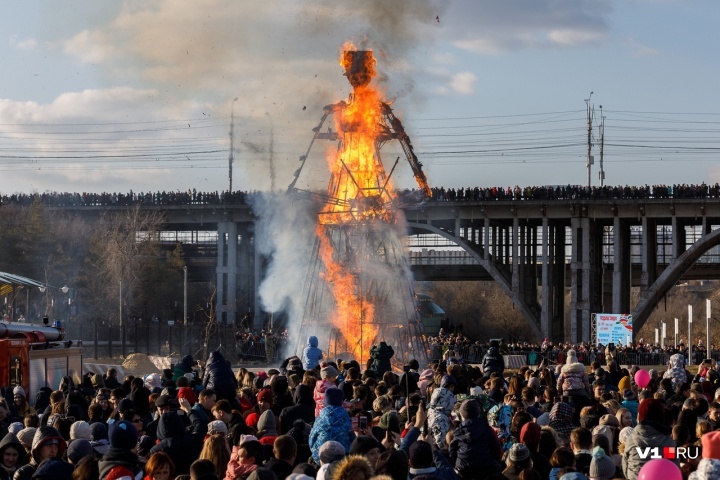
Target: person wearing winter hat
474 446
439 409
328 376
25 437
120 460
333 423
573 380
12 454
331 451
47 443
651 431
312 354
267 433
80 429
367 446
353 467
601 466
530 437
22 407
15 427
99 438
216 427
518 459
78 449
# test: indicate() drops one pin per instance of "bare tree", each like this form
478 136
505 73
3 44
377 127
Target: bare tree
118 251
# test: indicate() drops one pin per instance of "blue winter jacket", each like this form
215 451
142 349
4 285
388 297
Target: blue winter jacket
333 424
312 354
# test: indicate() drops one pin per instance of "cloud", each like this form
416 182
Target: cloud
464 83
28 43
638 49
490 27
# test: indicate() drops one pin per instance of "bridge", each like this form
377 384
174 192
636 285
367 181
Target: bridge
534 249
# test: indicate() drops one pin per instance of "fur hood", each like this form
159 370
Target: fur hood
349 467
573 368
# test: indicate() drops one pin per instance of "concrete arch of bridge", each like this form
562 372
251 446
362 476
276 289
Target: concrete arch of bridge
670 276
478 254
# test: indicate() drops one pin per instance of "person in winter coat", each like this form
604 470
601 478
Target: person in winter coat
333 423
120 461
11 456
303 409
651 431
47 443
185 366
312 354
328 377
493 361
439 409
220 378
381 355
281 394
474 449
182 447
245 459
267 433
676 371
573 379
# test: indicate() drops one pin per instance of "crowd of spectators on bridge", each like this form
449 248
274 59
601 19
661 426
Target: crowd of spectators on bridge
570 192
106 199
315 417
439 194
638 352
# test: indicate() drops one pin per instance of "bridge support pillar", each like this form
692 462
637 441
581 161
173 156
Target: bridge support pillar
585 277
552 315
649 255
621 266
226 309
679 238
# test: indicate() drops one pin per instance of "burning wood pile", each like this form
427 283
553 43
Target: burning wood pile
359 291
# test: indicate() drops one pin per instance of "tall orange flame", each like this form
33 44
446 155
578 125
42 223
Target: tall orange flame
361 192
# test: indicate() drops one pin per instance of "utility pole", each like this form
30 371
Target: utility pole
602 135
589 139
232 145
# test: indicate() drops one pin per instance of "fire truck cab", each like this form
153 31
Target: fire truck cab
36 356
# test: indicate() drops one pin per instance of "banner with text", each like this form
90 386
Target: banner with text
613 328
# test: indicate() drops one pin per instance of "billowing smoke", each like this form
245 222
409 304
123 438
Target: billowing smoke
285 234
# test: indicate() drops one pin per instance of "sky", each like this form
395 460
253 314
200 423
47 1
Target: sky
138 95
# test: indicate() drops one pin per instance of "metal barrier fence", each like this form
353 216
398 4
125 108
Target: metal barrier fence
474 354
100 340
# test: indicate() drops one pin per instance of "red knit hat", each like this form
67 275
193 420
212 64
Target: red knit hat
711 445
651 409
265 395
252 420
188 394
530 435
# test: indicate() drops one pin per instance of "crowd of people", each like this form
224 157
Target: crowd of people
439 194
337 419
636 352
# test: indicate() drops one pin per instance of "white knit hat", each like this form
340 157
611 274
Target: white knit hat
571 357
80 429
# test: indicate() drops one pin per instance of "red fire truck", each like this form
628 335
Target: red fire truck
36 356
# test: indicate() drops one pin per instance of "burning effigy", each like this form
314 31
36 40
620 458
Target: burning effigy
359 289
